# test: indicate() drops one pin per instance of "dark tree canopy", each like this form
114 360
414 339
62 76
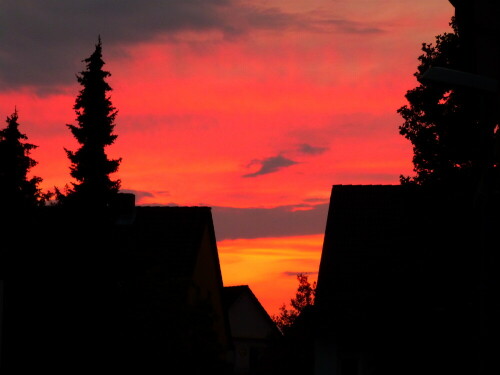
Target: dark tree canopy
293 352
17 189
90 165
446 125
304 297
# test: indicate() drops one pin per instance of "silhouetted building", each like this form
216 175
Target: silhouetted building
252 329
130 289
172 286
399 284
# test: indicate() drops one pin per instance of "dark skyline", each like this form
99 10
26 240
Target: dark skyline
295 95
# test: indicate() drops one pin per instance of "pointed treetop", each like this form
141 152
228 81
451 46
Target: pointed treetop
90 165
18 191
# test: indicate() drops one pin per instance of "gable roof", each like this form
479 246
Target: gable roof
67 241
399 265
169 237
375 233
123 283
231 294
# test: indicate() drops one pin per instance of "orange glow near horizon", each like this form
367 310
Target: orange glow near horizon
269 266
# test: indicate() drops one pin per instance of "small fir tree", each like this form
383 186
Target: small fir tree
90 165
18 191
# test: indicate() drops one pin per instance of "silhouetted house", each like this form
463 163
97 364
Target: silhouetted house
173 284
138 290
253 331
399 282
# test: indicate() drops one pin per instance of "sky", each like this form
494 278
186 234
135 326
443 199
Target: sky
255 108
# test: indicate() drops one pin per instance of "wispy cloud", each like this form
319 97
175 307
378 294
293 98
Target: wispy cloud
306 148
317 200
270 165
141 195
138 194
352 27
294 274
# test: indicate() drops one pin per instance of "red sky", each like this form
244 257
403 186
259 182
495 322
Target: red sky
255 108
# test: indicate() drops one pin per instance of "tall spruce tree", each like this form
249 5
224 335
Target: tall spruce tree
18 191
90 165
443 122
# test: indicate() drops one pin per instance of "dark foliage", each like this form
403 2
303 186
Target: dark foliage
17 189
304 297
451 134
90 165
293 353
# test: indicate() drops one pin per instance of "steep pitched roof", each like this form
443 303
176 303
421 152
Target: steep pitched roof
123 284
399 265
166 296
379 235
166 236
233 294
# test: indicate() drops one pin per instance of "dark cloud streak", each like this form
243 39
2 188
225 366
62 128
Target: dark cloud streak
138 194
306 148
42 43
294 274
270 165
282 221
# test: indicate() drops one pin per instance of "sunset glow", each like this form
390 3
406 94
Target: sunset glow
271 265
255 108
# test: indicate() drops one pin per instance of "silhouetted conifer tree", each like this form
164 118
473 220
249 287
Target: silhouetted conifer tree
90 165
18 191
85 220
444 123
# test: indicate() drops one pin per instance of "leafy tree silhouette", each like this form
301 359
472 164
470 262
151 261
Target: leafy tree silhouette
90 165
17 190
443 122
304 297
293 353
